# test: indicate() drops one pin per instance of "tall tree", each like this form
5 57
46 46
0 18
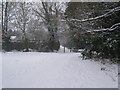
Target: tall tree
7 7
22 18
50 14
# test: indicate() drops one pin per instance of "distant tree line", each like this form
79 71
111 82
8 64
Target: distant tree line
29 46
35 21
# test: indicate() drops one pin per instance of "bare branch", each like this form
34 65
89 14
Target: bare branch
39 14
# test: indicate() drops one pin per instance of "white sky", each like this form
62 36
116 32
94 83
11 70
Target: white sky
62 0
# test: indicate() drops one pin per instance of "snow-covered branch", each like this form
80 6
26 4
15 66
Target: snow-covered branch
113 27
98 17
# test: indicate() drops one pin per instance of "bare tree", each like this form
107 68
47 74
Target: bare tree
7 15
22 17
50 13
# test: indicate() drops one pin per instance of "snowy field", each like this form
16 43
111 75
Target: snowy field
0 70
55 70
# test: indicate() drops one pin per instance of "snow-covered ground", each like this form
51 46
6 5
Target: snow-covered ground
119 76
0 70
55 70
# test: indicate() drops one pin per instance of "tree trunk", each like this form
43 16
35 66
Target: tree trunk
64 49
2 19
6 18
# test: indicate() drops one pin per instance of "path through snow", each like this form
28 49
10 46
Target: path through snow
54 70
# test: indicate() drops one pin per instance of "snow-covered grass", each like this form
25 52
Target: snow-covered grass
55 70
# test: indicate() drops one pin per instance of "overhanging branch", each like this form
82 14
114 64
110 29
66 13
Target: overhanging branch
112 28
112 11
